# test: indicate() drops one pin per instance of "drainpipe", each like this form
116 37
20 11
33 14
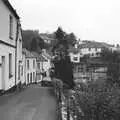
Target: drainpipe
16 52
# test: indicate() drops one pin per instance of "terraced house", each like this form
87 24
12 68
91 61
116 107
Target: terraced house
10 46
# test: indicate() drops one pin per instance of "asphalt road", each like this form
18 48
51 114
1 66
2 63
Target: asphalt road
34 103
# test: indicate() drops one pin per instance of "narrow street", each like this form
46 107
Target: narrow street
34 103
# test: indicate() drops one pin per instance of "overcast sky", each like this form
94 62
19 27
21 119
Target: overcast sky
89 19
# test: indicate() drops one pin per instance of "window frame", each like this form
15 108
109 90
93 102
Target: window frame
10 65
28 65
11 27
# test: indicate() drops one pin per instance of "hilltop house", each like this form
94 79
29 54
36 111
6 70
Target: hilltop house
74 54
10 46
92 49
48 38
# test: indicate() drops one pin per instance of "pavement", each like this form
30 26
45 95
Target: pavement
34 103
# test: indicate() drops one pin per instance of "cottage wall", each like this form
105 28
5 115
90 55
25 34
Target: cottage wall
7 46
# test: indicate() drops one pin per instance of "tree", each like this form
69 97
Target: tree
41 43
33 44
62 63
71 39
112 60
28 36
59 34
99 101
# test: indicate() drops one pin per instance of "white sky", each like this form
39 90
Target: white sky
89 19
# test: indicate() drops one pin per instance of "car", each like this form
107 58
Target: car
46 82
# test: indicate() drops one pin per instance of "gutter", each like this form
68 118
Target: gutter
16 52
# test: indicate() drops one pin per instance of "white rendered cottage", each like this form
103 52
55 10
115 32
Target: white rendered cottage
10 39
47 62
29 63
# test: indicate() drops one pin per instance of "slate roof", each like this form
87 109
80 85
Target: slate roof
30 54
7 3
39 57
73 50
46 36
94 44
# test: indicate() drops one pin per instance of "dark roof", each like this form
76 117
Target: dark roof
94 44
91 45
73 50
28 53
7 3
39 57
46 36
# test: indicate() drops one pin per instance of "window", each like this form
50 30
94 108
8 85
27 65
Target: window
33 63
10 65
75 58
89 49
38 65
28 64
19 71
22 71
11 27
28 77
33 76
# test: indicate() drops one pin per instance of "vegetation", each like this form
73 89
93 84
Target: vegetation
62 63
99 101
112 60
32 40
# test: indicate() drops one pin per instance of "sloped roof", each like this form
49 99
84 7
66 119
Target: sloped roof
46 36
27 53
91 45
7 3
73 50
46 55
31 54
107 45
94 44
39 57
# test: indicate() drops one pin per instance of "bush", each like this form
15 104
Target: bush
100 102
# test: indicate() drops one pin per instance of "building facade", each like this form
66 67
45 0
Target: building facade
9 35
29 62
46 63
75 54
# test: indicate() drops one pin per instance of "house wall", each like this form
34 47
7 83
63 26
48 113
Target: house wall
73 56
8 82
19 65
30 71
4 24
46 66
24 69
91 51
39 76
5 49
